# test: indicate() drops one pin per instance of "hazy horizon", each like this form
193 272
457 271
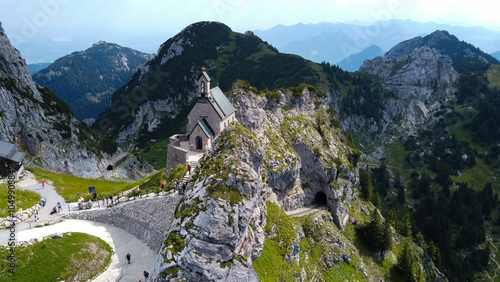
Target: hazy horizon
49 29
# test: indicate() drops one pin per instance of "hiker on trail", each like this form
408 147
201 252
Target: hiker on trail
94 195
146 275
102 200
43 184
128 257
176 184
162 186
183 188
189 169
36 215
59 207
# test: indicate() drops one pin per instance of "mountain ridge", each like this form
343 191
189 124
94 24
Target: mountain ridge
157 95
86 79
43 125
357 37
445 43
354 62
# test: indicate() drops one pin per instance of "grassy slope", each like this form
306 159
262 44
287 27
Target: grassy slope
78 257
493 75
155 154
271 265
24 199
67 185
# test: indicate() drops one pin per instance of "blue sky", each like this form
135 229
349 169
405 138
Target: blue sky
44 30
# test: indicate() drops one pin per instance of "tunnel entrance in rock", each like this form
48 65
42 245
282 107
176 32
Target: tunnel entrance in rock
320 199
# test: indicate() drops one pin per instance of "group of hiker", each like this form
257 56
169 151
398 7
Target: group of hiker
181 188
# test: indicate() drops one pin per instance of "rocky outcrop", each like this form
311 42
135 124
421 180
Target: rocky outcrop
289 155
421 74
445 43
41 124
421 82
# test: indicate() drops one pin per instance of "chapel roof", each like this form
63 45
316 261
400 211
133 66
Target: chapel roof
222 105
205 127
205 74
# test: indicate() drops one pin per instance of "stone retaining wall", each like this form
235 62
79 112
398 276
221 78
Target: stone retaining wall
148 218
21 216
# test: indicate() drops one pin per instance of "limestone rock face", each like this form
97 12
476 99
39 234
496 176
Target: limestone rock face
41 124
421 81
286 153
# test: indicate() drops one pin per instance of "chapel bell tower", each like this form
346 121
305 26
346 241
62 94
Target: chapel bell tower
203 86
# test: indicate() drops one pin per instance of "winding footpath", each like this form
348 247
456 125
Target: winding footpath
121 241
306 210
497 270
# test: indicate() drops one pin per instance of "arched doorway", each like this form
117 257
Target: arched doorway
320 199
199 143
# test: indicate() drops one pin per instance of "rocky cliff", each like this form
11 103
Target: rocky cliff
286 152
422 80
445 43
43 125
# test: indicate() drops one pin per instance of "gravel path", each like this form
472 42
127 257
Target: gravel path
148 218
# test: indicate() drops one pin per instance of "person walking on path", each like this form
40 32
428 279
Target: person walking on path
59 207
43 184
189 168
146 275
128 257
36 215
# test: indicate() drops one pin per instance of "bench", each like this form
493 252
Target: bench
86 205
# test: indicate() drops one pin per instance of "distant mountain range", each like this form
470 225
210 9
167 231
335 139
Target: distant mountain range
85 80
496 55
333 42
42 125
353 62
34 68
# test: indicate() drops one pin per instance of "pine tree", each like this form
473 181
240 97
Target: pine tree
405 263
373 231
376 200
434 253
401 194
405 225
397 180
365 180
387 236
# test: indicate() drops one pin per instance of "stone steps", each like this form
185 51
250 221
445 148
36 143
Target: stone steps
187 176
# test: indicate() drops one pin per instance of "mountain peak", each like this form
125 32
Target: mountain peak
445 43
101 42
100 70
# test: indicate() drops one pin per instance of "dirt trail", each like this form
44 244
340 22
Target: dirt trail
306 210
494 260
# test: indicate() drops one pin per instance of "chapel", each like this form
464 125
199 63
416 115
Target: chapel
211 113
209 116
